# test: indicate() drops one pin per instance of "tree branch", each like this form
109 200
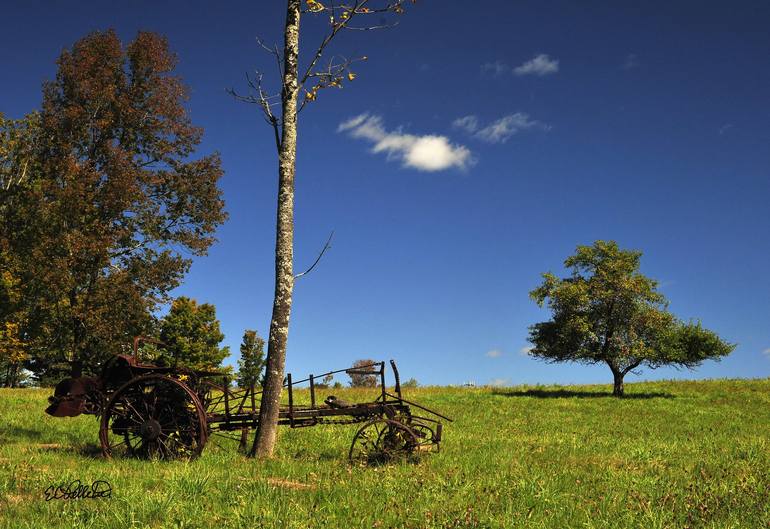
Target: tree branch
632 366
326 247
263 100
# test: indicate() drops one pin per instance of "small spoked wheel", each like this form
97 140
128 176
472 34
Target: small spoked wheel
153 417
427 437
381 441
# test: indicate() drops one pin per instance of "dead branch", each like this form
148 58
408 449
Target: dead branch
264 100
323 250
275 52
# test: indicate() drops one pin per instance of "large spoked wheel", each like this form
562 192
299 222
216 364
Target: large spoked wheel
153 417
381 441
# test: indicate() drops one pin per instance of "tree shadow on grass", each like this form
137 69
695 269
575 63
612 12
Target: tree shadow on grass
569 393
20 434
90 450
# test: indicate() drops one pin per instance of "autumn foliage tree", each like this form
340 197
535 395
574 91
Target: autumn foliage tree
607 312
12 355
358 376
298 88
103 202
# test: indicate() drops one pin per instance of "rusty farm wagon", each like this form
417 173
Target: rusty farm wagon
170 412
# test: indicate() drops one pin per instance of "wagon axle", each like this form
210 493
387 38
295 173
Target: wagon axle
150 430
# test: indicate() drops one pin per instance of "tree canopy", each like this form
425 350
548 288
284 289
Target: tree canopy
252 361
102 203
608 312
192 336
12 355
360 379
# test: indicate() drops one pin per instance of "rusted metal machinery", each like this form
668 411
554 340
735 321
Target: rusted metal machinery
170 412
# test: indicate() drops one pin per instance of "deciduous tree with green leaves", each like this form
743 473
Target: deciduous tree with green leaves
606 311
18 144
191 334
252 361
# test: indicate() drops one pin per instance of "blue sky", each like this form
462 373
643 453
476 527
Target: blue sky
643 122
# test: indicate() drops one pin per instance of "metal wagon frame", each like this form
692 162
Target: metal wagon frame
169 412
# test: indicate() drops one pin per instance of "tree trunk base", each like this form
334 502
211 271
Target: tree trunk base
618 389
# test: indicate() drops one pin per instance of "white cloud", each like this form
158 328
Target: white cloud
499 130
497 382
539 65
494 353
766 352
425 153
496 68
525 350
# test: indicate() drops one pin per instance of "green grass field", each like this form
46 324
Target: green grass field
672 454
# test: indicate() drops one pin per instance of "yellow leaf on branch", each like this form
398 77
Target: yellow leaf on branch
315 6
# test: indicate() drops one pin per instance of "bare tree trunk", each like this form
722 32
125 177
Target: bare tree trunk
617 389
13 376
264 440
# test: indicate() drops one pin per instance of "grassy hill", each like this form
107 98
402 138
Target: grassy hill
671 454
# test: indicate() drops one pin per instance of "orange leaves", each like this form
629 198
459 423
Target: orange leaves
12 349
329 80
314 6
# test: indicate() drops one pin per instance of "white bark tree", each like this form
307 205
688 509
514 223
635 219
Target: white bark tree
281 111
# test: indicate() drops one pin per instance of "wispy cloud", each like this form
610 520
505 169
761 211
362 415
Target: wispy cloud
499 130
428 152
469 124
497 382
539 65
766 352
724 128
631 61
495 69
526 349
494 353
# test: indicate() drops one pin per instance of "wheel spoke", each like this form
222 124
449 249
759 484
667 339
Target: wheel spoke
134 410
